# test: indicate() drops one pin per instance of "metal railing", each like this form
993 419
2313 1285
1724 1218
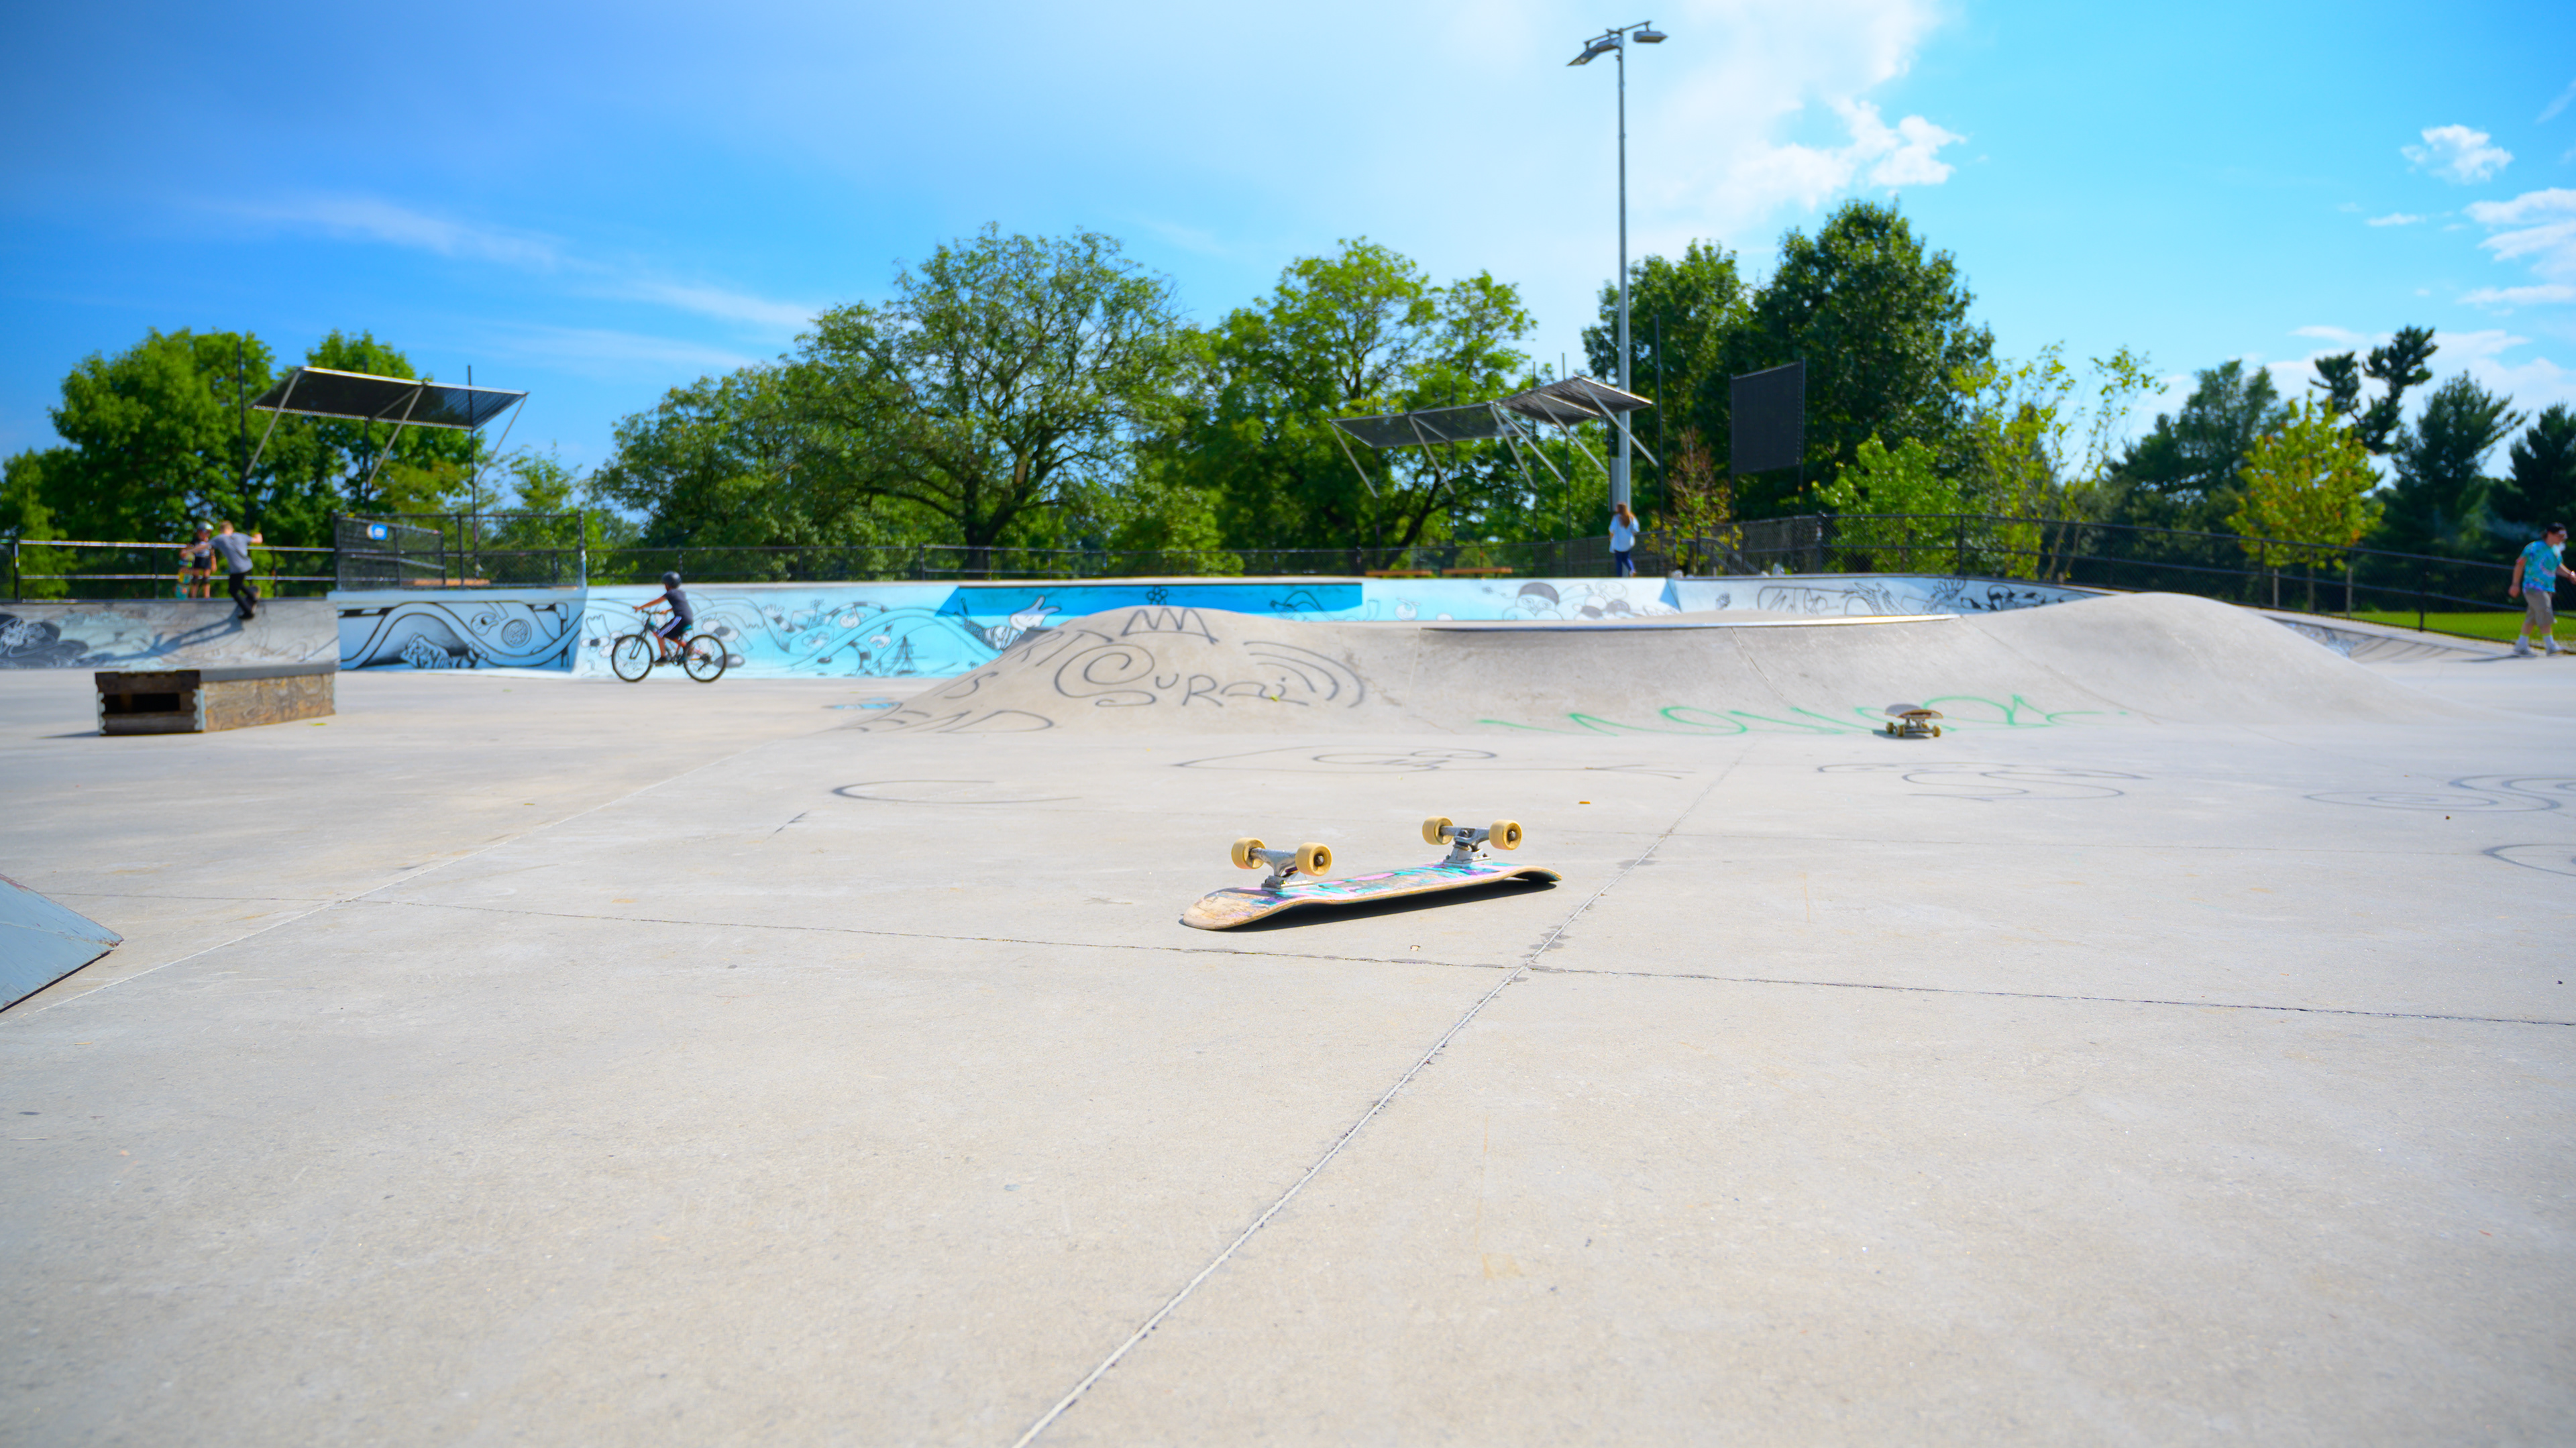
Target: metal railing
90 571
2266 572
461 550
546 550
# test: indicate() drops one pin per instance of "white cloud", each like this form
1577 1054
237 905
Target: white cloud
1904 155
2394 218
2550 111
372 219
2519 296
2538 227
2338 336
720 303
2532 383
2458 154
368 219
604 352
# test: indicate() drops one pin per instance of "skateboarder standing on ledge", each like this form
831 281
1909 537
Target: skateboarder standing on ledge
2535 581
234 549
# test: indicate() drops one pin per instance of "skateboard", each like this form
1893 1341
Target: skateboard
1463 868
1913 721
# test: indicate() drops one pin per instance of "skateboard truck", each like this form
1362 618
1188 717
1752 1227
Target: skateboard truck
1306 859
1462 840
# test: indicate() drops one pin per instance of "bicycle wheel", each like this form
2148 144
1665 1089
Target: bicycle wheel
631 657
704 658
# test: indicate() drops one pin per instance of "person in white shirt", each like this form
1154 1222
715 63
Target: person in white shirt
1623 539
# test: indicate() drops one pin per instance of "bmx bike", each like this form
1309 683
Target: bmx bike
632 656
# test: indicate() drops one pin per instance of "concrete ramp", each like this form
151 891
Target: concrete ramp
41 942
2144 657
168 633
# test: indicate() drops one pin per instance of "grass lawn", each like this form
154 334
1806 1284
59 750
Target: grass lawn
2498 626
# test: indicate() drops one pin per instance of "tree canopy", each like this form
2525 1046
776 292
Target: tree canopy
1363 330
1882 324
2541 488
2436 502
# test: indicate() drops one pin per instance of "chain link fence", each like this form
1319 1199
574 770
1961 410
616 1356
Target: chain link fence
2266 572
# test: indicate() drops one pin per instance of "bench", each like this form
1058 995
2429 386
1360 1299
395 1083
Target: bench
201 701
1402 573
1476 573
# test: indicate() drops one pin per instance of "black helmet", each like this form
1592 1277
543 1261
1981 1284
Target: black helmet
670 580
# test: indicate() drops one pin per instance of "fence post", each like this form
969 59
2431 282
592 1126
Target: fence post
581 546
2419 597
1959 558
17 578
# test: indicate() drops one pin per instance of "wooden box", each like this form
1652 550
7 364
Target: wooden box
200 701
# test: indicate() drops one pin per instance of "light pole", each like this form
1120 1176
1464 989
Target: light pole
1614 41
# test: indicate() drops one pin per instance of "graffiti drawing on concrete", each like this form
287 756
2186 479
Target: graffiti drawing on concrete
1147 658
1960 711
1874 595
2477 794
1989 783
1306 759
163 633
520 629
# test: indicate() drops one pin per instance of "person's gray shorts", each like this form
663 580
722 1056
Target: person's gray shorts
2536 615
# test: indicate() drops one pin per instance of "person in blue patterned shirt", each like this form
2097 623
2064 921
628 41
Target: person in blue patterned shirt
2535 581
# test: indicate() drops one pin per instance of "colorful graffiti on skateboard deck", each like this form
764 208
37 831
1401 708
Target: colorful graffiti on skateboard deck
1463 870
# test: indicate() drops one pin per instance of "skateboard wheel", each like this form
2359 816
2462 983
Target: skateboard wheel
1505 835
1242 853
1314 859
1936 731
1435 830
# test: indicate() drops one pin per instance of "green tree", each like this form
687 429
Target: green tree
1883 327
1361 331
2397 367
2541 488
2308 482
2183 473
1005 373
24 515
1697 300
155 437
715 465
2437 502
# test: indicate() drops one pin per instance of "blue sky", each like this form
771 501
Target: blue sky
596 203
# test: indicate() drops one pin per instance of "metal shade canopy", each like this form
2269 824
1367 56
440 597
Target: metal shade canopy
1564 403
365 397
322 392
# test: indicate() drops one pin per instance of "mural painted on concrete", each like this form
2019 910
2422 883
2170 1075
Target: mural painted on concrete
942 630
1881 595
514 629
162 633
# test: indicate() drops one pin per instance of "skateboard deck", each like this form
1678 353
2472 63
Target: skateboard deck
1226 909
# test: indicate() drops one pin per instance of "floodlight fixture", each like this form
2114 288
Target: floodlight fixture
1614 42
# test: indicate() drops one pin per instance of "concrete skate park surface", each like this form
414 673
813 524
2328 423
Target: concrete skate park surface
2184 1058
166 634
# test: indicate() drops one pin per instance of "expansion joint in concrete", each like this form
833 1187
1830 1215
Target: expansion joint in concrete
1351 1133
